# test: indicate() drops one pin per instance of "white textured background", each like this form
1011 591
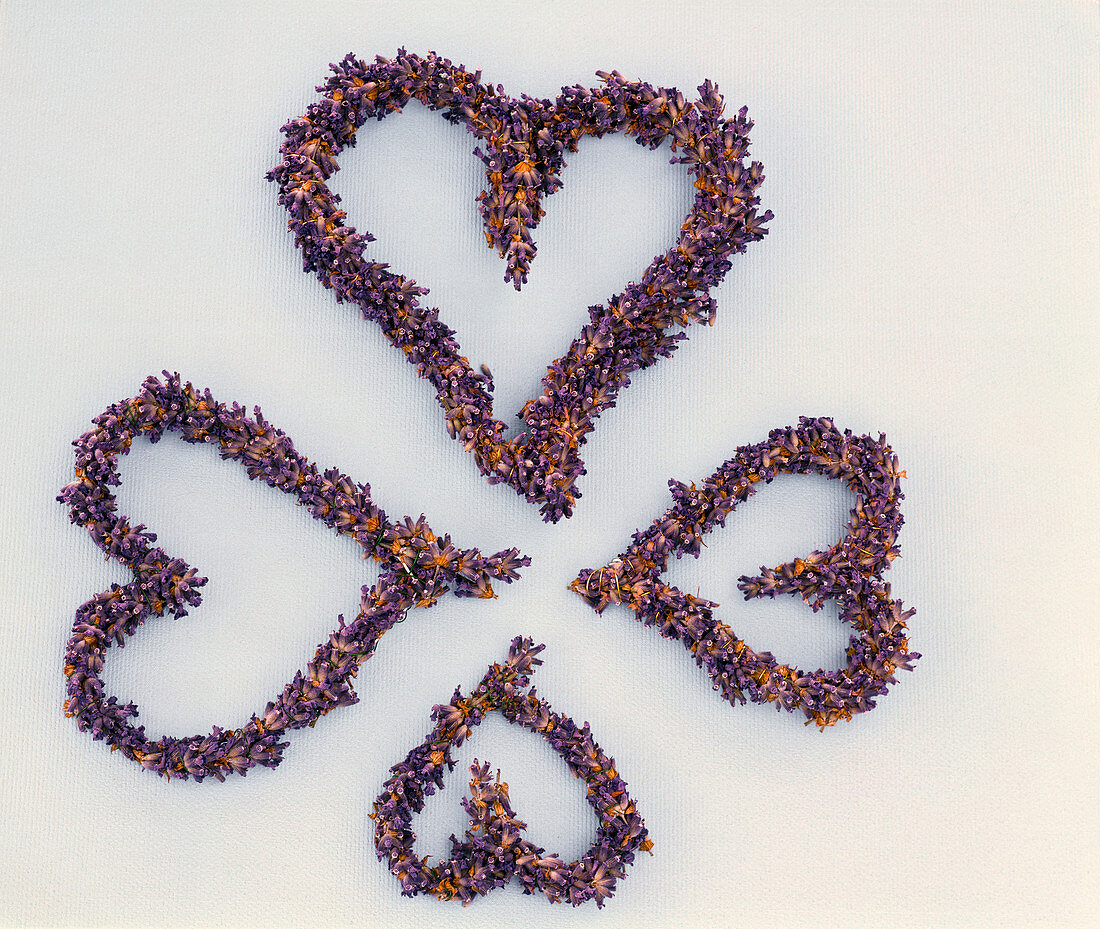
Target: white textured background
931 272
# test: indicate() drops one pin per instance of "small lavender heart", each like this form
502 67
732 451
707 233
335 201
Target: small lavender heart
849 573
494 849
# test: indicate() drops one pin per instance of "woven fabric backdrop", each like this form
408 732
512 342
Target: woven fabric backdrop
931 273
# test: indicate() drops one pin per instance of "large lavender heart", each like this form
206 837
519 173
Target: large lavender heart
525 141
417 567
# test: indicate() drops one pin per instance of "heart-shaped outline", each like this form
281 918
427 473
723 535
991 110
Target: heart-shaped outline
525 141
848 572
494 851
417 567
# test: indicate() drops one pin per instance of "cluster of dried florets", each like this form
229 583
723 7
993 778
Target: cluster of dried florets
524 142
849 573
417 567
494 849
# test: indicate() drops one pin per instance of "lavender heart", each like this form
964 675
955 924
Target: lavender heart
417 567
523 142
494 849
849 573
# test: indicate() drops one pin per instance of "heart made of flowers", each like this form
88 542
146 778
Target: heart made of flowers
417 567
525 140
849 573
494 850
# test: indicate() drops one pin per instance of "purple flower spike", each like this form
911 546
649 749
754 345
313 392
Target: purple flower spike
418 567
522 143
849 573
494 849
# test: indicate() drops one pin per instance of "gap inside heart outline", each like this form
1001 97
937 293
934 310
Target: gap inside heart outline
522 143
